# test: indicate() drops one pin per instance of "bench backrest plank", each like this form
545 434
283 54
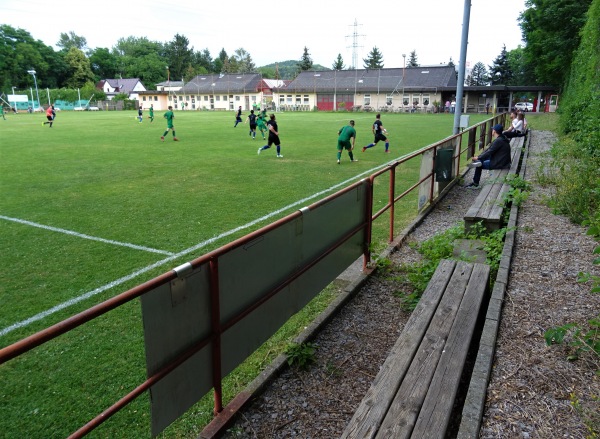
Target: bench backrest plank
368 417
403 413
437 408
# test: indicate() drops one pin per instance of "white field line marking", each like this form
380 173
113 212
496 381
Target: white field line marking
81 235
141 271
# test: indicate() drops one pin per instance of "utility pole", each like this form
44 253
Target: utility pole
461 66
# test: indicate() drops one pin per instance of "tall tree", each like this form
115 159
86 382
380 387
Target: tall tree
220 61
523 73
179 56
551 30
374 59
500 73
203 62
66 41
79 68
19 52
306 62
412 60
479 75
338 64
104 64
244 61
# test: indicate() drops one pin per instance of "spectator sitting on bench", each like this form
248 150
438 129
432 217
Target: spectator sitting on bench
517 128
497 156
525 128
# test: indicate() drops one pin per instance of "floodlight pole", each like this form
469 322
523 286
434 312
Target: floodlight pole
32 72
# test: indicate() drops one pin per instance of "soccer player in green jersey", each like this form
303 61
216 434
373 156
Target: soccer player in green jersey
151 113
169 115
261 124
346 139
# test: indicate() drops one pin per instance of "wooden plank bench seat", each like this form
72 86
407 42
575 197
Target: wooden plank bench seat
414 393
489 204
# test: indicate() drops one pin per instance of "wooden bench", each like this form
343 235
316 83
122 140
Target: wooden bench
414 393
489 204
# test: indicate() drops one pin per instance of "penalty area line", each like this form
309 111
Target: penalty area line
84 236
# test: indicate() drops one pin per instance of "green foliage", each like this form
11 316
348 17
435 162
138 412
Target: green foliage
301 355
441 246
306 62
593 230
581 340
499 71
374 60
590 416
519 190
517 182
338 64
551 30
479 75
412 59
80 70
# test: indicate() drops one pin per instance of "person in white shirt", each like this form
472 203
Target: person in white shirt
516 128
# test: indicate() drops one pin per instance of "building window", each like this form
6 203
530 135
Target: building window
367 100
237 98
289 99
218 97
389 100
298 99
155 98
306 99
425 99
405 100
416 100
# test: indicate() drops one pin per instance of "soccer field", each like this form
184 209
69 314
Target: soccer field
98 204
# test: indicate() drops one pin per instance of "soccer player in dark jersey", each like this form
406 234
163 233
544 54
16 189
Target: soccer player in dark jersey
252 119
344 135
238 116
273 136
379 132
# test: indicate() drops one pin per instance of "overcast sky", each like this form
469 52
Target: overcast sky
272 31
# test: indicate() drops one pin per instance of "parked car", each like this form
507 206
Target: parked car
524 106
92 108
78 109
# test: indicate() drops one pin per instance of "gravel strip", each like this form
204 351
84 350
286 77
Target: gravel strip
528 395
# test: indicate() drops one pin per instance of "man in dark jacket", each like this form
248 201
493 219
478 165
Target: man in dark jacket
497 156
